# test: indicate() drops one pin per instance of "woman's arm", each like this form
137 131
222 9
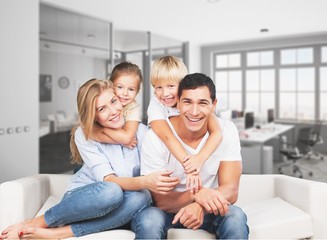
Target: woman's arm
158 182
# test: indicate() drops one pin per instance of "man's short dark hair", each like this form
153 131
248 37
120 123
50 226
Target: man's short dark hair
196 80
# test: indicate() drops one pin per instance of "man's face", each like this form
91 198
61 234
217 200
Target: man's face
195 106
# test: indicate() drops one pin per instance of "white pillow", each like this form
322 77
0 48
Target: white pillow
50 202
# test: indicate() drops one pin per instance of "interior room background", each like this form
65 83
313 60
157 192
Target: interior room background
43 66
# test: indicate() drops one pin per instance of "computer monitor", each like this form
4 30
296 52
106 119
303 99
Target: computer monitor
249 120
234 114
270 115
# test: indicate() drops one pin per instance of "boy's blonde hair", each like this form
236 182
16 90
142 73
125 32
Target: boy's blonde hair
168 68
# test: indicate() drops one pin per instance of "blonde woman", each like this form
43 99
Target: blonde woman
107 191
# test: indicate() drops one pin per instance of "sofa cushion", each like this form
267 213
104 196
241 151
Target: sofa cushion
275 218
50 202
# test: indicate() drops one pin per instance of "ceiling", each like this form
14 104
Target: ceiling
202 22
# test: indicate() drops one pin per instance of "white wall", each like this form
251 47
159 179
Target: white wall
19 97
78 69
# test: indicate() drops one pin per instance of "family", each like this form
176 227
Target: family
181 171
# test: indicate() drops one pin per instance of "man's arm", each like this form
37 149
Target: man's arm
217 200
173 201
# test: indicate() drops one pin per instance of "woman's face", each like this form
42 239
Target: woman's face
108 110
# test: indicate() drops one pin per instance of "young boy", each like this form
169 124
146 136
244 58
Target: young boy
166 73
127 79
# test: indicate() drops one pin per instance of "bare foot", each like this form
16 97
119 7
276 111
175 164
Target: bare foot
46 233
11 232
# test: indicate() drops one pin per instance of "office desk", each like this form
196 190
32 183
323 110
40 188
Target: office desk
259 136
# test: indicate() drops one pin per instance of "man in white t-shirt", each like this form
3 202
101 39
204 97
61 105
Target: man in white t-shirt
211 207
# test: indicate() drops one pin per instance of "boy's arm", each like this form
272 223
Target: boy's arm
117 136
214 139
163 131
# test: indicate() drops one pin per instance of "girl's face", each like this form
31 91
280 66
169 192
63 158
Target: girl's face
126 88
109 110
166 92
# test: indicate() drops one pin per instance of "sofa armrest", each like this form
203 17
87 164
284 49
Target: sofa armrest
22 198
310 196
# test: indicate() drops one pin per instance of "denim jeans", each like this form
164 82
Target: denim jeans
153 223
96 207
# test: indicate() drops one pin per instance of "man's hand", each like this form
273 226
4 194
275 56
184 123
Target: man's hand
190 216
212 201
161 182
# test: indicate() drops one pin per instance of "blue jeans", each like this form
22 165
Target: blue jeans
97 207
153 223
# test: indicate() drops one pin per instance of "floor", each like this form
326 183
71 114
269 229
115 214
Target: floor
314 164
55 153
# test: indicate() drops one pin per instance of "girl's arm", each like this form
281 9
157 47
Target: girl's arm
117 136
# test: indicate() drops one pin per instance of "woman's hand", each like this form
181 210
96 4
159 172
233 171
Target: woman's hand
161 182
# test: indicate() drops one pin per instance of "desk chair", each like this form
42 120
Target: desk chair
295 153
313 139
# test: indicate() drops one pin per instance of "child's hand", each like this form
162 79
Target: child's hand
192 164
193 182
132 144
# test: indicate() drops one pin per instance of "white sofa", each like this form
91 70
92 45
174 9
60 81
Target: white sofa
277 206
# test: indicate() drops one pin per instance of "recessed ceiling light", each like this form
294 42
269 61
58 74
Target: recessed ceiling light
264 30
213 1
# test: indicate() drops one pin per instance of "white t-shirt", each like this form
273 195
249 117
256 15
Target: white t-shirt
132 112
158 111
155 156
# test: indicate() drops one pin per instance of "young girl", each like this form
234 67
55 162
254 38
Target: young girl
107 191
166 73
127 79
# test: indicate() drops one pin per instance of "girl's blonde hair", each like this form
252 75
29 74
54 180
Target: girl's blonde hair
127 68
86 99
168 68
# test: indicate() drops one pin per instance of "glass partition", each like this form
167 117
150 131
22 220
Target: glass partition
73 49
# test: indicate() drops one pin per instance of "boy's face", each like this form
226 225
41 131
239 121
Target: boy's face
166 92
126 87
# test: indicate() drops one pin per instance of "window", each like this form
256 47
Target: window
260 91
296 56
228 80
292 81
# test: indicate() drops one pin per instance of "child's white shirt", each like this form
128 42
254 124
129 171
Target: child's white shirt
158 111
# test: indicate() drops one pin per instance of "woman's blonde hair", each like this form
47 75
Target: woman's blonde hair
168 68
86 99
